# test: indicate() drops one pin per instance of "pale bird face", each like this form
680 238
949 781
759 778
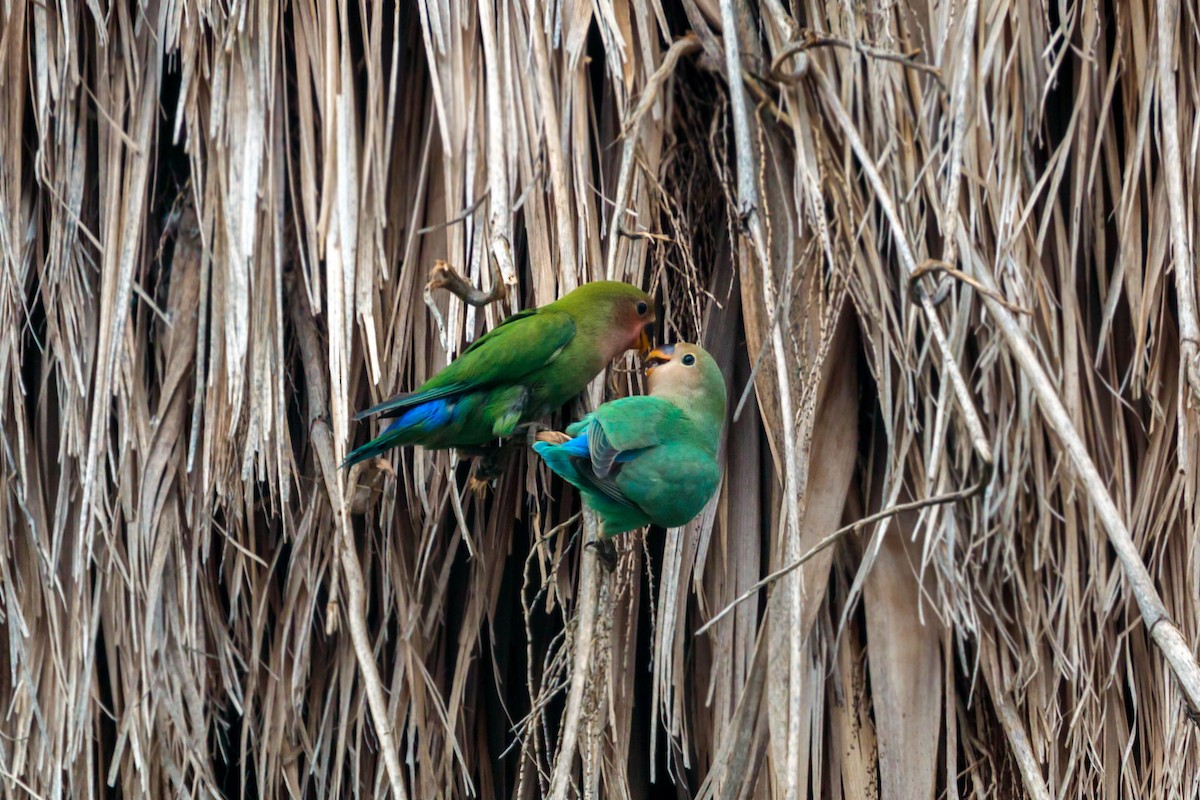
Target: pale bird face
673 365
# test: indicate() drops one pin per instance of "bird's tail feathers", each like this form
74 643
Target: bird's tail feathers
408 428
398 405
570 461
558 458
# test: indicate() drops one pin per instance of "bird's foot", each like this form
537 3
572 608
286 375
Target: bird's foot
606 551
489 466
553 437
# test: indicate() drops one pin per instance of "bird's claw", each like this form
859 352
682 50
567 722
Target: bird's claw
478 486
553 437
489 465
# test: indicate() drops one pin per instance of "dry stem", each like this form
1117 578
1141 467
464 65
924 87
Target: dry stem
322 440
585 635
1185 282
1014 728
747 195
935 266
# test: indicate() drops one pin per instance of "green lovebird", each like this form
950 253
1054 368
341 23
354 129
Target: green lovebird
650 459
527 366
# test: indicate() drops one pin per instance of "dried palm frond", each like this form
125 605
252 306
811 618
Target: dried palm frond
942 250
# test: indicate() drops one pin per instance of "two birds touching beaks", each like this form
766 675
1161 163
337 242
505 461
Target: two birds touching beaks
637 461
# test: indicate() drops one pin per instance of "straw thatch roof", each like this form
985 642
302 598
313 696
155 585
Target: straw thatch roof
943 251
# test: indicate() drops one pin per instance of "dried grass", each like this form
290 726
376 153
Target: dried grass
948 244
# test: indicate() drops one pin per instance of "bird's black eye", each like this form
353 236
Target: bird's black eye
641 308
688 360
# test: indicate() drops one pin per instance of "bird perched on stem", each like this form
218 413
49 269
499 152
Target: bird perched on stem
527 366
650 459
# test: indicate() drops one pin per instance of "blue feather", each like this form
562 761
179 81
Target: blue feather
558 459
577 447
428 416
558 456
572 461
415 420
580 447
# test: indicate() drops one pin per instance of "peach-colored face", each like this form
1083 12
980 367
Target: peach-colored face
676 366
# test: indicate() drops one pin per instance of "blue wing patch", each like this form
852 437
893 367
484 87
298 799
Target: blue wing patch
428 416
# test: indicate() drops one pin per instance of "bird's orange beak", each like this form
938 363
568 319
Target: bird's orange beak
643 342
658 357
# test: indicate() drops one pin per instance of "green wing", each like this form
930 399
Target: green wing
523 343
650 456
618 432
627 425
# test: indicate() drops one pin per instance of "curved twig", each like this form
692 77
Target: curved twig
463 216
629 133
941 499
934 266
445 277
810 40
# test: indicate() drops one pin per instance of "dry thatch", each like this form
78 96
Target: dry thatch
948 244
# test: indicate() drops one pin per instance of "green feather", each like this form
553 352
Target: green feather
526 367
650 459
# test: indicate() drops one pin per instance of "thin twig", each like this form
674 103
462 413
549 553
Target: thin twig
941 499
813 39
758 362
624 232
678 49
783 312
465 215
1014 726
934 266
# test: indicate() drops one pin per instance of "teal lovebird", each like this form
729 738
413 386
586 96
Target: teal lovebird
527 366
650 459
